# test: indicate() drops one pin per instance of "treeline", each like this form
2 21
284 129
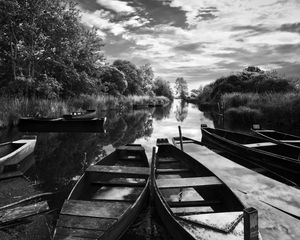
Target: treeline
45 51
250 80
254 96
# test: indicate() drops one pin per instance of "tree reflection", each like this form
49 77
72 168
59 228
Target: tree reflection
181 111
161 113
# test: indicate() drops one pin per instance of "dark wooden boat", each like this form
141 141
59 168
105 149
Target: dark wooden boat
12 153
61 125
278 158
107 198
90 113
191 201
277 137
139 106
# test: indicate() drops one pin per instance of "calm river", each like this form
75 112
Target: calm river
60 158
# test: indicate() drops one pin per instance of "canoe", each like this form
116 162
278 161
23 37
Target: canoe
13 153
107 198
61 125
90 113
192 202
277 158
277 137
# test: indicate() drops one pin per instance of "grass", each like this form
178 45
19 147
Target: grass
13 108
275 110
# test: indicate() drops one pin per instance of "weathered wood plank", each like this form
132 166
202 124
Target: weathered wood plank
74 232
81 222
193 203
8 215
169 170
102 209
130 171
167 160
261 144
122 182
192 210
63 237
188 182
130 148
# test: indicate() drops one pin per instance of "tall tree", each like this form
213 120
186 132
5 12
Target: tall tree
181 87
132 76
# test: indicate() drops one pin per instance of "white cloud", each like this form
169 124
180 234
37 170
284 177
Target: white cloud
117 6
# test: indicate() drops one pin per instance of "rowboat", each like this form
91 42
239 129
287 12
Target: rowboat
276 136
30 124
107 198
13 153
281 159
191 201
90 113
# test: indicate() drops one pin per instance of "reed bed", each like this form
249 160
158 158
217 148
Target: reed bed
13 108
277 110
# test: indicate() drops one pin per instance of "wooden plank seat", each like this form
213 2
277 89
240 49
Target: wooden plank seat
88 223
127 182
192 210
131 148
76 234
120 170
261 144
194 203
130 158
100 209
188 182
290 141
171 170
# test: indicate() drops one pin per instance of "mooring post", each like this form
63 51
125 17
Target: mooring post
180 138
250 224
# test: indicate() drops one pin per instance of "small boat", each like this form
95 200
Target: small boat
90 113
107 198
13 153
34 124
276 136
281 159
192 202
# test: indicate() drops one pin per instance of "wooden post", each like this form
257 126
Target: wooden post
180 138
250 224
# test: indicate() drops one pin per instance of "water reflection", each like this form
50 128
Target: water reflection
62 157
181 111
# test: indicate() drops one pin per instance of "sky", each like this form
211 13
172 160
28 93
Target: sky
199 40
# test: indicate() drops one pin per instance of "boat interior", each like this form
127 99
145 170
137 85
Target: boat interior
105 192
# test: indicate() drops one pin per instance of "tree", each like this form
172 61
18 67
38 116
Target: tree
181 88
132 76
147 76
113 80
162 87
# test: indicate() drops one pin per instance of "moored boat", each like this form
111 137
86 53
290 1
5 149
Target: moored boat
12 153
276 136
107 198
90 113
281 159
30 124
192 202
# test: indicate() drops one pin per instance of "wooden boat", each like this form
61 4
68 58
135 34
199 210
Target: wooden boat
12 153
90 113
107 198
139 106
191 201
281 159
277 137
61 125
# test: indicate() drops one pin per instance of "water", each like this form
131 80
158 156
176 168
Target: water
60 158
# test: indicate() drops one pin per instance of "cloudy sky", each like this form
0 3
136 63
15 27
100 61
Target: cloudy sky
199 40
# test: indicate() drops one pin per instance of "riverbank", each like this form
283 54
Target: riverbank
271 110
13 108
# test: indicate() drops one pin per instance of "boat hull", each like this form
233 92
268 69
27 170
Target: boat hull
283 166
61 125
